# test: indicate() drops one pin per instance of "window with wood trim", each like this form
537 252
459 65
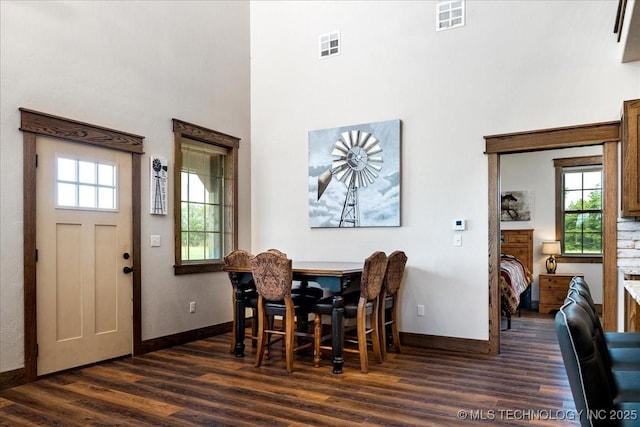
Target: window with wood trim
205 197
579 208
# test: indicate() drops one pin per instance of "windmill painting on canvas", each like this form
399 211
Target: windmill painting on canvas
354 176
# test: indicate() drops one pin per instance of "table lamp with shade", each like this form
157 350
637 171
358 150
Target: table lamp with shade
551 249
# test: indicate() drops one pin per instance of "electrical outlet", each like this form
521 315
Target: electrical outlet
420 310
192 307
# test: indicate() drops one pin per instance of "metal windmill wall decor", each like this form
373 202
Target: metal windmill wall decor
354 176
158 174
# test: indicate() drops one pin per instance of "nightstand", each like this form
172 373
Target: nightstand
553 290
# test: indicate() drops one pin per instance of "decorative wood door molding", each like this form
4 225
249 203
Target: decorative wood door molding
606 134
32 124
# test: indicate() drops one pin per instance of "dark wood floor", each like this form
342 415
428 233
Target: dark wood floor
202 384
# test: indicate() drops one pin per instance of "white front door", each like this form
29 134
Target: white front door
83 223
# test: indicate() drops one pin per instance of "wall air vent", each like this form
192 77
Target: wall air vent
449 14
330 44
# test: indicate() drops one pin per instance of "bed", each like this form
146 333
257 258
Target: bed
516 265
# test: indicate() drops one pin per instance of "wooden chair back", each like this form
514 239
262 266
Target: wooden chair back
395 271
272 275
388 313
277 252
373 273
238 258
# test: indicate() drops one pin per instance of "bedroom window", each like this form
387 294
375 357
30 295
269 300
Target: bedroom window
579 208
205 188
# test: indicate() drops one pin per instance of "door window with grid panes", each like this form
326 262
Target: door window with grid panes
85 184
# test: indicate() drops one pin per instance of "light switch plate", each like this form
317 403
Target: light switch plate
155 240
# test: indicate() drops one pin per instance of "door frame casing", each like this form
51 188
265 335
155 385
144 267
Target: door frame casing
34 124
606 134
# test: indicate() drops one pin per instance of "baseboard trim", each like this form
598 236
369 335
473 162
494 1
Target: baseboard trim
460 345
13 378
159 343
18 377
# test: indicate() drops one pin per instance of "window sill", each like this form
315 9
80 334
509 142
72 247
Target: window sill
580 259
212 267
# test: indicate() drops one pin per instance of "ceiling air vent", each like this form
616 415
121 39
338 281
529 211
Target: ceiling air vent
449 14
330 44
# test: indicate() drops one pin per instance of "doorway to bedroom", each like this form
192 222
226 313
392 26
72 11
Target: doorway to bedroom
603 135
533 179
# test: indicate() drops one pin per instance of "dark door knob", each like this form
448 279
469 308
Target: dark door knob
127 270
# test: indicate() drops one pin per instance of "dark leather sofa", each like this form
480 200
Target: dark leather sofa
605 382
579 288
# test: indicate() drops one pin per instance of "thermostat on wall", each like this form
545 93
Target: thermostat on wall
460 224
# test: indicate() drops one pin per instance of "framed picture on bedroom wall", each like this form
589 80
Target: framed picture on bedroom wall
515 206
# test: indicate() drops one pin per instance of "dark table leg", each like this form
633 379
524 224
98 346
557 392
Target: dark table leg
303 322
238 306
337 333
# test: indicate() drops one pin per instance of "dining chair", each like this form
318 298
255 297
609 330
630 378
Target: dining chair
389 301
240 258
277 252
273 277
298 293
301 290
364 306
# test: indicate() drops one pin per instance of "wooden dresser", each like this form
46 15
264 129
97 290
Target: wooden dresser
518 243
553 290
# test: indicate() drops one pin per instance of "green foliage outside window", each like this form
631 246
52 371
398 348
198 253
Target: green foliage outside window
201 206
205 196
583 213
201 238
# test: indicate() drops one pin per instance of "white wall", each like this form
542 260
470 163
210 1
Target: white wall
131 66
535 173
515 66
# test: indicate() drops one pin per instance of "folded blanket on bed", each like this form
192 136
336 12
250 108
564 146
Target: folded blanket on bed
514 279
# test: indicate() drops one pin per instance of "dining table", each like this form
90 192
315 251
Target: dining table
335 277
